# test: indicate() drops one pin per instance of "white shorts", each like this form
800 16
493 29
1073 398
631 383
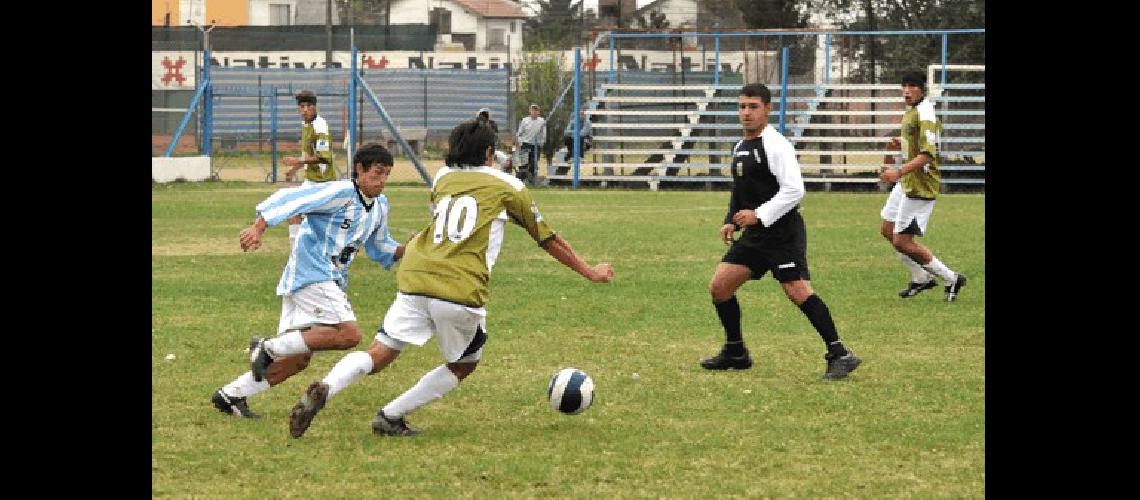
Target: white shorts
321 303
412 319
909 215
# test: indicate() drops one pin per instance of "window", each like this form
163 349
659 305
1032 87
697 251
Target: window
467 39
441 19
279 14
497 38
513 27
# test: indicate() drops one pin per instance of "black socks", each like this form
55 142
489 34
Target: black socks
820 317
729 313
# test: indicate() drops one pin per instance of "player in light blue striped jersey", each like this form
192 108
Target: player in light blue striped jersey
341 218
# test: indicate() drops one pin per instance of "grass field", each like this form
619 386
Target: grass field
910 422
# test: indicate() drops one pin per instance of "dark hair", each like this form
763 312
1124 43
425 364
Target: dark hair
757 90
915 78
372 153
468 143
306 96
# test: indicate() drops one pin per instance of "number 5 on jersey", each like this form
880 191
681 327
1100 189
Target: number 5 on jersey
459 218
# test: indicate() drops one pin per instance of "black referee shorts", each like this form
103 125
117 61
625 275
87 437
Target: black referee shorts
783 254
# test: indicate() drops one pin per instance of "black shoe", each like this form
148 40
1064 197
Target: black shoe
913 288
303 412
383 425
259 359
839 366
952 290
724 361
231 405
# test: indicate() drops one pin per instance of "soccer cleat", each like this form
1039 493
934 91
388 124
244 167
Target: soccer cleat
724 361
259 359
913 288
234 406
303 412
839 366
383 425
952 290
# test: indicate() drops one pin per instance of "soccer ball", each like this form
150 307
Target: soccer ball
570 391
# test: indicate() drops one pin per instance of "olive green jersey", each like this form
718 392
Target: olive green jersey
920 133
452 258
316 141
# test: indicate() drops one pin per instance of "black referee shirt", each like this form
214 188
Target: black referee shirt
766 175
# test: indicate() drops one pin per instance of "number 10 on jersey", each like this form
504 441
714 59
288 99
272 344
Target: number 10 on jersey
459 218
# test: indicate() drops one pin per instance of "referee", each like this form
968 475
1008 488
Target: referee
766 191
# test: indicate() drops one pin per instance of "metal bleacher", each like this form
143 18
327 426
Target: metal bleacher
653 133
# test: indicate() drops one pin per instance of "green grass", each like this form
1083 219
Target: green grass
909 423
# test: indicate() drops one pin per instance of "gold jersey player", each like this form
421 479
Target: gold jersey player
443 281
908 208
316 152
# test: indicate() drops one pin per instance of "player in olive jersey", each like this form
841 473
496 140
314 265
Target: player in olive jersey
443 281
908 208
316 152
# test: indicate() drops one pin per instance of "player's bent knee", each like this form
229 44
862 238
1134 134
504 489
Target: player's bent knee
304 361
720 291
462 370
382 355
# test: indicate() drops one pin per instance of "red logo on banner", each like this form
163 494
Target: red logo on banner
173 70
371 63
593 62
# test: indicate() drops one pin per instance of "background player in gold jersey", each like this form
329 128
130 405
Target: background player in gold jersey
443 281
908 208
316 152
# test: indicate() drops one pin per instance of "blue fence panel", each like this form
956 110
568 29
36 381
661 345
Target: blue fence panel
436 99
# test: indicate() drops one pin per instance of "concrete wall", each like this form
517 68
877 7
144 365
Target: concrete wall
190 168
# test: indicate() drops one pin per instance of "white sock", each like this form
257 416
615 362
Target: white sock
937 267
294 230
431 387
287 345
917 273
245 386
347 371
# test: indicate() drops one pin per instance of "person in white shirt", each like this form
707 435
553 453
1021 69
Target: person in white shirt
531 136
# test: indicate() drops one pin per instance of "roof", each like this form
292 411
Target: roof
492 8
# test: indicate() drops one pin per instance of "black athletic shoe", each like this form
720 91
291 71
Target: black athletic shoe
259 359
724 361
383 425
303 412
231 405
952 290
839 366
913 288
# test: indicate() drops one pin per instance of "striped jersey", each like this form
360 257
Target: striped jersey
452 258
338 223
317 141
920 132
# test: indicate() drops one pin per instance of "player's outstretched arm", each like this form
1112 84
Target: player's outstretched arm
250 237
561 251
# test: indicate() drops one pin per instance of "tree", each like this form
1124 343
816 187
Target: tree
787 15
894 55
541 80
782 14
557 24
